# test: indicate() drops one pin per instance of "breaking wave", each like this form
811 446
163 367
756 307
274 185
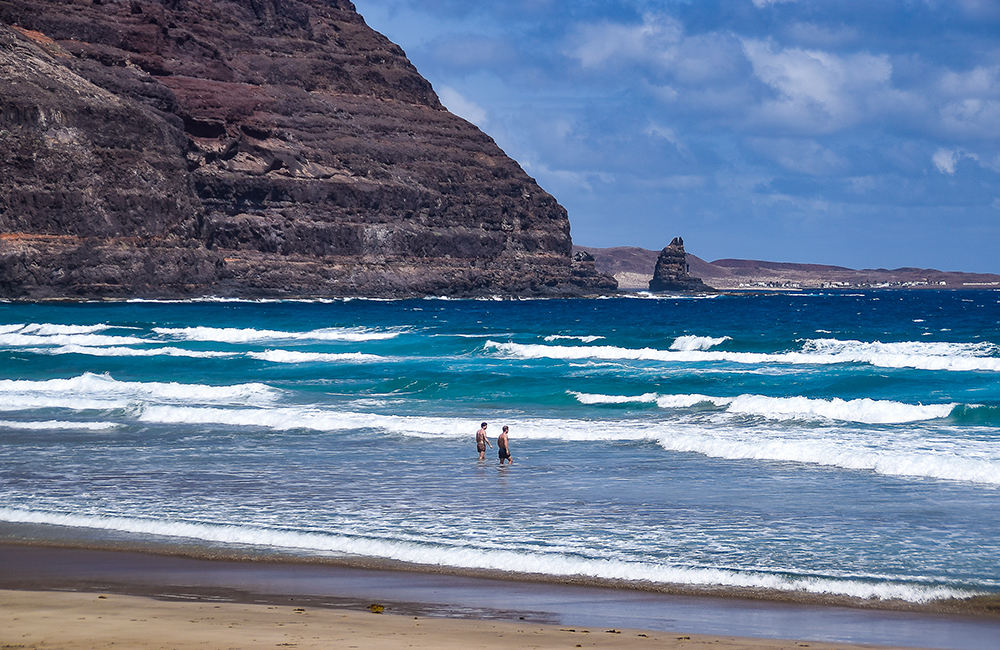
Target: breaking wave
866 410
687 343
921 356
564 337
93 391
464 555
49 425
249 335
290 356
116 351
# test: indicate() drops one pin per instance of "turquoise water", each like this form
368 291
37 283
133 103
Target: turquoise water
834 443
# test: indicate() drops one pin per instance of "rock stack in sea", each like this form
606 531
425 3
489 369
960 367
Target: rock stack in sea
672 272
254 148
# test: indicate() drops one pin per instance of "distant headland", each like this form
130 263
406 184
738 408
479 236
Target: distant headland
633 268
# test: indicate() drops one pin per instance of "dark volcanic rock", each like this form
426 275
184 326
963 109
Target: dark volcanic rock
671 271
253 148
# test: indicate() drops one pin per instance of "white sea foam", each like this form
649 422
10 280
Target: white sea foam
663 401
246 301
576 352
944 459
291 356
250 335
286 418
689 342
921 355
93 391
22 339
467 556
685 401
116 351
48 425
648 295
587 398
865 410
918 355
566 337
484 335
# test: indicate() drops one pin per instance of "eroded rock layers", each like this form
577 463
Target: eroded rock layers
174 148
672 272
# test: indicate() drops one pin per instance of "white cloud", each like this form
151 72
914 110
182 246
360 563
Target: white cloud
667 94
610 44
979 82
818 91
679 182
455 102
666 133
818 35
863 184
656 48
554 179
801 156
972 118
979 8
946 159
760 4
969 102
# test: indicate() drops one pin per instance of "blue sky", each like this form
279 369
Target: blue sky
857 133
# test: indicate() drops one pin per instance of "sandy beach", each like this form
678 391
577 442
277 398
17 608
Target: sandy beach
47 619
63 597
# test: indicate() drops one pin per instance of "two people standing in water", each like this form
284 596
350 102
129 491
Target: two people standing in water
503 445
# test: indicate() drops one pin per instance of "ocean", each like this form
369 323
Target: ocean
811 444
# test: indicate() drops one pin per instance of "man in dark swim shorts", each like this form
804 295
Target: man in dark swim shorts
503 450
482 441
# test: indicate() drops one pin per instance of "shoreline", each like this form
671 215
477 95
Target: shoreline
623 292
69 538
52 569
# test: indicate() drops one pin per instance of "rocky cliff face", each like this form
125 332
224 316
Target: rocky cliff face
174 148
671 272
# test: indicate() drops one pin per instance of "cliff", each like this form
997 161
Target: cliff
177 148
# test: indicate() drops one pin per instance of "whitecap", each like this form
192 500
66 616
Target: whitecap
566 337
864 410
93 391
690 342
251 335
20 339
291 356
922 355
116 351
48 425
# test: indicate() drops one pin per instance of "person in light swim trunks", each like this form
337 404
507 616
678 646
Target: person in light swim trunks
503 448
482 441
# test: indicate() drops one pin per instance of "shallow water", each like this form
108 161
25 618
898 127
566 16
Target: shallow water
838 443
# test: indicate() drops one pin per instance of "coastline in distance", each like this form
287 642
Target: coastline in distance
633 268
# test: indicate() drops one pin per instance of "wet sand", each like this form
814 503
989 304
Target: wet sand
46 619
89 598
